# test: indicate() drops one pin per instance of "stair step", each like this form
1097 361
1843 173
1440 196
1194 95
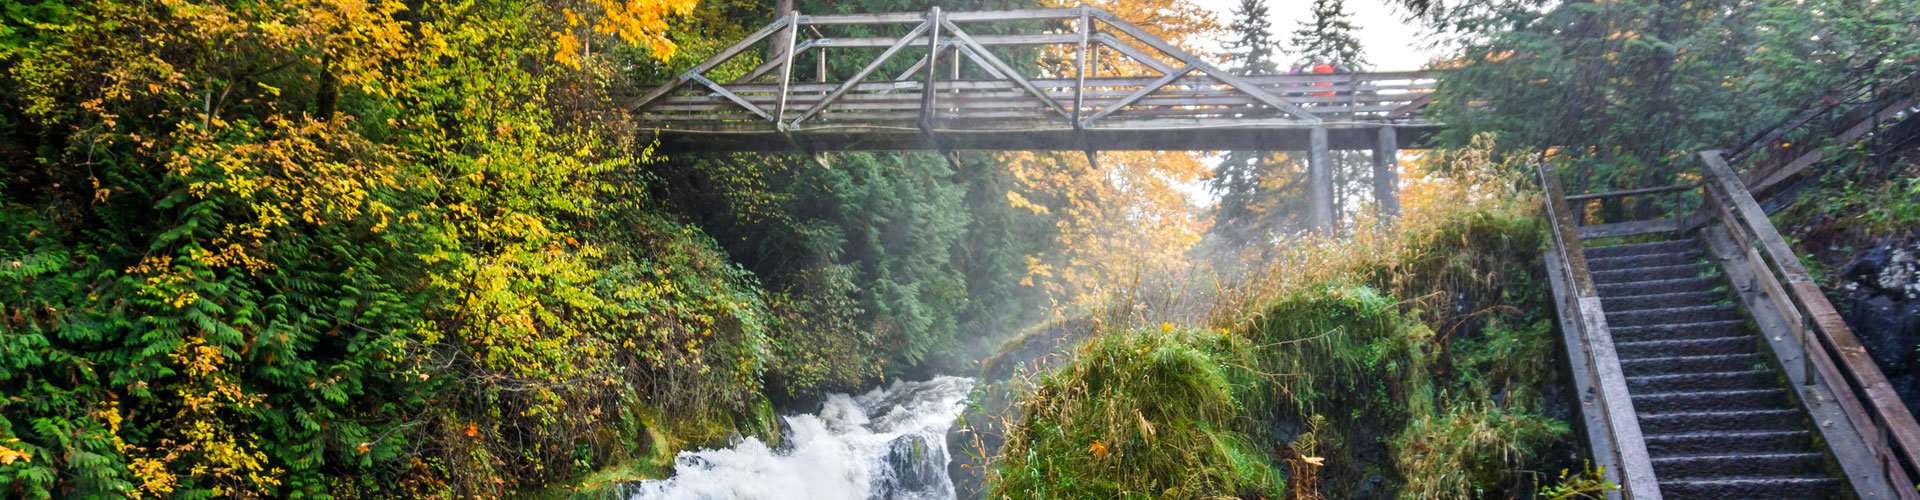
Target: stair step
1638 274
1752 420
1700 443
1661 300
1685 347
1619 290
1676 331
1737 465
1734 400
1670 246
1674 365
1759 487
1643 260
1672 315
1696 382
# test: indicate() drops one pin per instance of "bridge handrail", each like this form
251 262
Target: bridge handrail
1165 82
1634 472
1832 350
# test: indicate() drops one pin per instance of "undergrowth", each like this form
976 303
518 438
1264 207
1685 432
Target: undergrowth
1410 360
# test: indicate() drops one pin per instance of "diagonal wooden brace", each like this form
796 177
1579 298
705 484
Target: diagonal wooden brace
1230 79
711 62
868 70
966 40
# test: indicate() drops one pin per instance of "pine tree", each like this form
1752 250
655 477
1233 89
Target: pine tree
1252 46
1329 36
1235 179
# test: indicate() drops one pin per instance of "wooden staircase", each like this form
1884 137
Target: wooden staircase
1709 365
1717 418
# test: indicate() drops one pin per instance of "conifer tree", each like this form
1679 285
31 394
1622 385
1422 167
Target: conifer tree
1252 44
1235 179
1329 36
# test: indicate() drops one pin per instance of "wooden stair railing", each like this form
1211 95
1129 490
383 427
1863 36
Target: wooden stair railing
1619 445
1834 357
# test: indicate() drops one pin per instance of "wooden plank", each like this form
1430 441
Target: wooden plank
1636 467
1134 53
1631 192
729 95
1023 134
1885 405
786 69
986 40
1767 179
1289 84
1629 228
927 91
1193 60
1005 69
1579 368
959 17
1080 63
768 66
1858 454
721 57
982 62
817 107
888 89
1137 95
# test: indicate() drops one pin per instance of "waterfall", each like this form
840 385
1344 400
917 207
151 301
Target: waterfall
887 444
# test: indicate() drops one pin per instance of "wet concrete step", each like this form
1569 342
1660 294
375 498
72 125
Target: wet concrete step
1711 442
1661 300
1671 246
1682 285
1712 363
1643 261
1738 465
1728 400
1672 315
1696 382
1735 488
1677 331
1638 274
1685 347
1754 420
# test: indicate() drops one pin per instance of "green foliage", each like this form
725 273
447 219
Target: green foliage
1629 90
1431 387
1142 414
1328 36
353 249
1591 484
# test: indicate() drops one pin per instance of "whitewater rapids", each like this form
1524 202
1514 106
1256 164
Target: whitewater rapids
887 444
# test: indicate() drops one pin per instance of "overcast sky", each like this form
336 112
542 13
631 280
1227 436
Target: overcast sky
1391 43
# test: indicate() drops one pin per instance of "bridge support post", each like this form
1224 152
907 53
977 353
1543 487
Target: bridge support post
1320 181
1386 172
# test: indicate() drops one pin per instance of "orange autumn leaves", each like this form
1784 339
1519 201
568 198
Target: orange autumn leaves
1126 217
639 22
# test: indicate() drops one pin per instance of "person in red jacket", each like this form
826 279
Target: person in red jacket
1322 68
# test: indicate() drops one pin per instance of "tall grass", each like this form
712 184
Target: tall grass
1408 358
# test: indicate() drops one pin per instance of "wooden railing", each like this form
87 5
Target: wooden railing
959 82
1625 449
1787 148
1603 229
1833 355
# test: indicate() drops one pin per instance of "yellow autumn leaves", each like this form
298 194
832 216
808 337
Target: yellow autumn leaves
638 22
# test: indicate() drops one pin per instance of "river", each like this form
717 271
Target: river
887 444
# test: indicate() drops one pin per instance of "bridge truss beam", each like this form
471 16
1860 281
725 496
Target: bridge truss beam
1089 81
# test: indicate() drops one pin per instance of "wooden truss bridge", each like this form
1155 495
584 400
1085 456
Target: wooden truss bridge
1100 83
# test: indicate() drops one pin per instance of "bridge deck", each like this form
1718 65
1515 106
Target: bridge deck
1108 85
